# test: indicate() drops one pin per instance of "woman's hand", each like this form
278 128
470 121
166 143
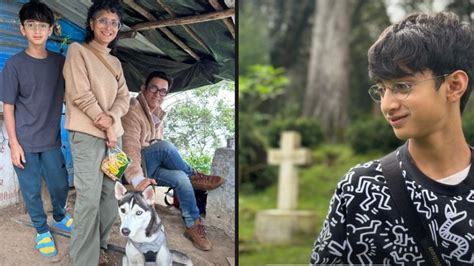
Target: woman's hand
103 121
111 138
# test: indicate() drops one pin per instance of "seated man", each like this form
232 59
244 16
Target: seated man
143 125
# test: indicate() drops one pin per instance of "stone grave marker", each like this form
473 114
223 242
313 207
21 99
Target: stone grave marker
281 225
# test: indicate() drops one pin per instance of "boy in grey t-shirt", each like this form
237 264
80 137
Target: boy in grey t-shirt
32 91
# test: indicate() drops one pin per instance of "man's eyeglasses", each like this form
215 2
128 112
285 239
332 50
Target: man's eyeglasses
155 89
29 25
105 22
400 90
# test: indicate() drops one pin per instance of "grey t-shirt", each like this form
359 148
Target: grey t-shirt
36 88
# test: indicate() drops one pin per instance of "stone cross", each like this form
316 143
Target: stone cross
287 157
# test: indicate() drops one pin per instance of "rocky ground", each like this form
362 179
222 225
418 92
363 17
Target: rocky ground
17 245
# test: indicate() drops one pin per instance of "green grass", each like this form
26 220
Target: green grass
316 186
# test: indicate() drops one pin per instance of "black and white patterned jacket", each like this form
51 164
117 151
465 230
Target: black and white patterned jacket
363 226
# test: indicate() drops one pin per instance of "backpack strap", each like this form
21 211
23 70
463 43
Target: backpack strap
102 59
401 198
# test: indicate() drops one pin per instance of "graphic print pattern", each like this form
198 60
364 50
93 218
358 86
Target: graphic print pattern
363 226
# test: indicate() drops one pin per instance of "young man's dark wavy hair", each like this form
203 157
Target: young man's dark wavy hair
161 75
440 43
35 10
98 5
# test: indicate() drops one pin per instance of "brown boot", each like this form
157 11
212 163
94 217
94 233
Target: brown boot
197 235
202 181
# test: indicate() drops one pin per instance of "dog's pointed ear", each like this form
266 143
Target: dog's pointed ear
149 195
120 190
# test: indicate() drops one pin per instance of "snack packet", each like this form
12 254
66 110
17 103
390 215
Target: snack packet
115 163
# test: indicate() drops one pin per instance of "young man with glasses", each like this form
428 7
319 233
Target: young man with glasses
423 67
32 92
163 165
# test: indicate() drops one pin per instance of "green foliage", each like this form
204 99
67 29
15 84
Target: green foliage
256 89
310 130
200 122
372 134
254 40
201 163
261 84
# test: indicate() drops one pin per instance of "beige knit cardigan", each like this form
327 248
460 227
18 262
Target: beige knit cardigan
91 89
140 131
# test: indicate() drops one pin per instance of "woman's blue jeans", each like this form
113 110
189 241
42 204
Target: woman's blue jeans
165 165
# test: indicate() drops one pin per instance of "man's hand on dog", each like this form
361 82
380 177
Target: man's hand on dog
145 183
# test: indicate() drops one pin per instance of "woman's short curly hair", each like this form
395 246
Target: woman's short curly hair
113 6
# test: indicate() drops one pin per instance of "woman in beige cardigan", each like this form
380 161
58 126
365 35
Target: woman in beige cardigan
96 98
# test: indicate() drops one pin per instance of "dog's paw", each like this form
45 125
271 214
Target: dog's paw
137 260
125 261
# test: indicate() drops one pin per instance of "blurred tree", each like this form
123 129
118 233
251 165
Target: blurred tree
412 6
254 41
199 123
290 25
368 21
328 74
257 88
464 9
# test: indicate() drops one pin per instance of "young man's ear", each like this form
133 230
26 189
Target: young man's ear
22 30
457 85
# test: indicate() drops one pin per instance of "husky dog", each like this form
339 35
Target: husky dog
144 230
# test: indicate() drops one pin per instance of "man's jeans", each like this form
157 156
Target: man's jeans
166 166
51 166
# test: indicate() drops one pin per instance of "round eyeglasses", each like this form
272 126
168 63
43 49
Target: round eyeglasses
113 23
154 89
400 90
29 25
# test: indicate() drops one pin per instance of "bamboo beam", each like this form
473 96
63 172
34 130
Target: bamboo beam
186 27
185 20
127 34
165 31
227 21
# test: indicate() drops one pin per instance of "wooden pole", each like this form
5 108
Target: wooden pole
127 34
186 27
165 31
227 21
185 20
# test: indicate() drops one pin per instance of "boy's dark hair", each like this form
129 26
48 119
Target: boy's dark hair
440 43
161 75
35 10
98 5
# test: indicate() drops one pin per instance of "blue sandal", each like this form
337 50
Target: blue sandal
66 224
45 244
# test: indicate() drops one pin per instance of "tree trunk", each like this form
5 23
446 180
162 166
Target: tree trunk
290 24
328 75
